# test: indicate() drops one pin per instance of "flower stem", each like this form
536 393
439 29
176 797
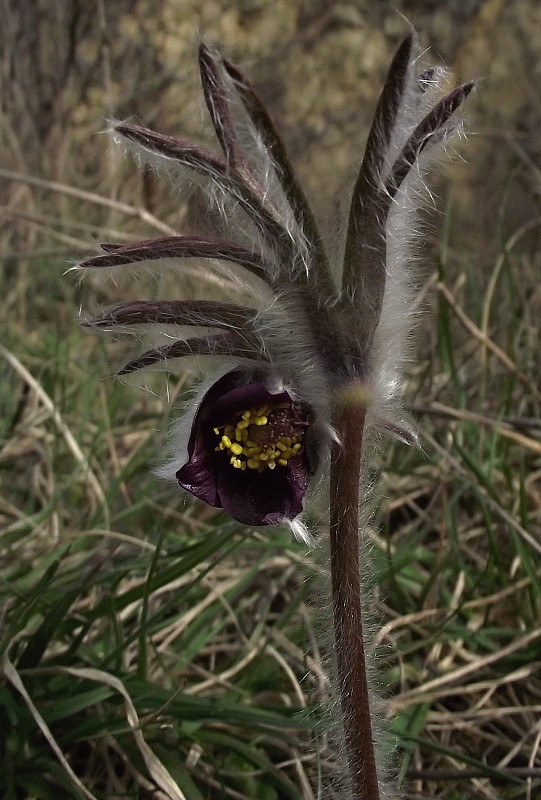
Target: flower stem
346 595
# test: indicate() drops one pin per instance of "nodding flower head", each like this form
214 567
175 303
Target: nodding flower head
249 451
314 330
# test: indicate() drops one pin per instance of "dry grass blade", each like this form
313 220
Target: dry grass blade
224 677
40 222
500 426
439 689
496 507
487 342
120 537
14 678
48 222
158 772
90 197
155 767
71 442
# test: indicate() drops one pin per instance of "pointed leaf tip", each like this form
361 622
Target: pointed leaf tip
217 98
425 134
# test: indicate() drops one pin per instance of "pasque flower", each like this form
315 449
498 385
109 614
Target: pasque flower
246 451
307 338
317 352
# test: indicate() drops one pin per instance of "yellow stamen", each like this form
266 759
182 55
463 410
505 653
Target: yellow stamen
251 446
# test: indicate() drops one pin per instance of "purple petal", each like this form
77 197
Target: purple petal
264 498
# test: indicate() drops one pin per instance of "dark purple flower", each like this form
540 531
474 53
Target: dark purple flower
247 453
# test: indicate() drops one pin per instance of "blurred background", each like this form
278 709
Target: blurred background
66 67
211 630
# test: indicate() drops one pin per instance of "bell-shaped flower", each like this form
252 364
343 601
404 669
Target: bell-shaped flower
247 451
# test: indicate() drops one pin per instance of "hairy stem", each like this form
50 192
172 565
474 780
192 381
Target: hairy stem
346 595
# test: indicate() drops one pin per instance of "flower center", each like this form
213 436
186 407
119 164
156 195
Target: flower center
264 437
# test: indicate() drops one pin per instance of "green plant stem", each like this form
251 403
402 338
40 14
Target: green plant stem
346 596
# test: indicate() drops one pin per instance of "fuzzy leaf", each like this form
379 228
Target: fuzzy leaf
179 247
365 261
285 173
216 98
204 313
426 133
236 346
180 150
251 197
384 122
365 252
